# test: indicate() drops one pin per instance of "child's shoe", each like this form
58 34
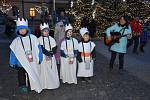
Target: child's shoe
88 80
24 89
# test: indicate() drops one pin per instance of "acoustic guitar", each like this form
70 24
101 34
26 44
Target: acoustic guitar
115 36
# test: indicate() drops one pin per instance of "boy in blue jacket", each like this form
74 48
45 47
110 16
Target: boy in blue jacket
26 55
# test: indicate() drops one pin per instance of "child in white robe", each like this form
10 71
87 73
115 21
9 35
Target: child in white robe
25 56
49 73
69 50
86 56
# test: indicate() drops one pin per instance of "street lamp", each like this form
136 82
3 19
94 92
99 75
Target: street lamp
32 15
32 12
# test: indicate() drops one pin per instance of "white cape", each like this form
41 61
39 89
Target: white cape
49 73
82 70
31 68
68 71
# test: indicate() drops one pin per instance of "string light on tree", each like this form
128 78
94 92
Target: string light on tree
93 15
71 4
92 2
107 12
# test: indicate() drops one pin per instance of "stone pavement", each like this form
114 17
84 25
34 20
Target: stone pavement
105 85
138 65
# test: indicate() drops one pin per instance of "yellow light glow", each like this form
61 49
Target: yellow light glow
32 12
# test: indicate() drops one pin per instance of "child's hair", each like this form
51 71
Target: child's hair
66 32
82 39
87 33
44 30
126 18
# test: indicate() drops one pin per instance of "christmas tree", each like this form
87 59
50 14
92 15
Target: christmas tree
106 12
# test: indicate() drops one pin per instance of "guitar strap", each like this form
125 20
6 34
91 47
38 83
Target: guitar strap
123 30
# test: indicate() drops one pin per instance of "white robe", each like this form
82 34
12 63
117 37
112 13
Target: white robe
82 70
49 73
32 68
68 71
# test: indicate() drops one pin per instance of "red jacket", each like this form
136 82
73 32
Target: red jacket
136 27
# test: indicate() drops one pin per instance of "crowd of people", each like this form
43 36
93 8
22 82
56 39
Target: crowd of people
37 58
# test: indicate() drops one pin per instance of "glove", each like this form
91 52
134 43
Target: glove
51 53
75 53
94 59
62 53
79 57
46 52
80 60
14 67
39 62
